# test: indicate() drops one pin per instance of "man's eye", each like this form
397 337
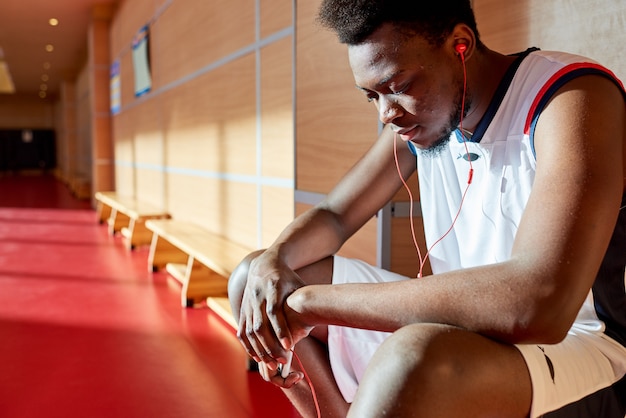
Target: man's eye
400 89
371 97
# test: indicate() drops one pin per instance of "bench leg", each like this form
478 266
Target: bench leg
201 282
162 253
117 221
137 234
104 212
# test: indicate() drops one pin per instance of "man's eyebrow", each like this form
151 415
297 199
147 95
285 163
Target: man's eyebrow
382 81
387 79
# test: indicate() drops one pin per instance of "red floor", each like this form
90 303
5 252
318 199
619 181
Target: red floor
86 331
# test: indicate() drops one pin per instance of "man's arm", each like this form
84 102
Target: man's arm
562 238
360 194
313 236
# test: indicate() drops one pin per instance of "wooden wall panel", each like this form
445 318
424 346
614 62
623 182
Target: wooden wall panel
127 83
226 208
131 15
334 122
124 151
276 212
503 25
361 245
118 40
277 136
102 174
190 37
147 137
149 152
210 122
149 185
277 151
212 142
102 150
66 130
404 257
588 27
276 15
125 179
82 159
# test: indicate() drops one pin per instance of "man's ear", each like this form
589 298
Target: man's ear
462 40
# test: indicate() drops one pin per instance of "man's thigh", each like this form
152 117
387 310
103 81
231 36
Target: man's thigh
429 370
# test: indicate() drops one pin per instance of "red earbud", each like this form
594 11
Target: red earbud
460 48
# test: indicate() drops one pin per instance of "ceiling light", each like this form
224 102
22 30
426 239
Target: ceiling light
42 94
44 77
46 65
53 22
49 47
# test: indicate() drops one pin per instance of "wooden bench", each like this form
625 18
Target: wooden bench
80 187
200 260
128 216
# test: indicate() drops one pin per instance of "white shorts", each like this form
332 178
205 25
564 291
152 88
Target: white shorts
575 375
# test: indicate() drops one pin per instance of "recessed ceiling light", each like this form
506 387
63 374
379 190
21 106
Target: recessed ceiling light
45 77
53 22
46 65
42 94
49 47
43 87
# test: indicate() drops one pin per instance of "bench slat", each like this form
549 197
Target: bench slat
210 258
124 212
221 306
214 251
128 205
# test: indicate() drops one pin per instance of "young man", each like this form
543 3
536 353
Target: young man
525 314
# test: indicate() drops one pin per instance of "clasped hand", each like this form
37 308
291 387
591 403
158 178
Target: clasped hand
268 326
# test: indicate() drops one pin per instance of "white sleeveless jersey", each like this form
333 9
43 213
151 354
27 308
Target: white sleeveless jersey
503 163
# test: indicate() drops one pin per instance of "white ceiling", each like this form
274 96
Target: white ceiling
25 32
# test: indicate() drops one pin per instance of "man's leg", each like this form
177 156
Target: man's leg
428 370
312 351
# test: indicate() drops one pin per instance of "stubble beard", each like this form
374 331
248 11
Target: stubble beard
454 120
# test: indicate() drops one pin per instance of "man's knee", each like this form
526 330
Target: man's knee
443 355
425 365
238 279
422 352
406 371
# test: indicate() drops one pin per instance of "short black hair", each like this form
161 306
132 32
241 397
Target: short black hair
355 20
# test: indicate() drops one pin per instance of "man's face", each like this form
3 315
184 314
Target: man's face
417 88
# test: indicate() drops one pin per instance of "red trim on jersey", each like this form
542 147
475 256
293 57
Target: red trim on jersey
567 69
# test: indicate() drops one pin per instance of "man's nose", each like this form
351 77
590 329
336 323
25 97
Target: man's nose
388 110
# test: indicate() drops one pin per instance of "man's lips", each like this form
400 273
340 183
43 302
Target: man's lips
407 133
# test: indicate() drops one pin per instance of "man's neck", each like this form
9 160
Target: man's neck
484 75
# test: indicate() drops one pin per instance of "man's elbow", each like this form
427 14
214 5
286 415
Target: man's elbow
547 328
